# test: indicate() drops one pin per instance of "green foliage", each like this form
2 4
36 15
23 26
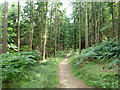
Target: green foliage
25 48
89 64
93 76
40 75
106 51
15 63
60 54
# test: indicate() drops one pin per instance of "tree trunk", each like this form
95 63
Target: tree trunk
102 22
79 27
99 22
59 37
92 27
95 23
119 24
4 46
119 33
63 43
113 31
55 28
50 40
86 27
41 31
89 41
45 31
18 25
75 35
32 31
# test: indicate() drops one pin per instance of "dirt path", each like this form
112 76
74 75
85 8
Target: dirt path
67 80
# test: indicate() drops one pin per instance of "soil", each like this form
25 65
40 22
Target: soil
66 78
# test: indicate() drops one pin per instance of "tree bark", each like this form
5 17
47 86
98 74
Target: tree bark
92 27
86 27
41 31
102 22
50 38
99 22
75 35
95 23
79 27
18 25
55 28
113 31
32 31
4 46
59 37
119 24
89 41
119 33
45 31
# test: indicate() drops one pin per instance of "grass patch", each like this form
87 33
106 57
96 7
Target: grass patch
42 75
93 75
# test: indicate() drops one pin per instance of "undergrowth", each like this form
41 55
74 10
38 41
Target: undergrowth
25 70
105 54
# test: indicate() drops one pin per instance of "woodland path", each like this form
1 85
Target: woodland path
66 78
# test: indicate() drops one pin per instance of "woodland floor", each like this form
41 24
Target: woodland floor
66 78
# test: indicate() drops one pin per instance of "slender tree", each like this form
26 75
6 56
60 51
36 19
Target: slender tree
41 45
92 26
102 21
99 22
119 32
4 46
59 37
55 28
89 41
95 23
32 30
45 37
113 31
18 25
79 27
86 27
119 24
50 38
75 35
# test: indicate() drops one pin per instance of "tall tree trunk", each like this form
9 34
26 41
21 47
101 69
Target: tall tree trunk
95 23
41 31
32 31
102 22
75 35
119 34
18 25
1 33
79 27
99 22
86 27
119 23
59 37
45 31
50 43
55 28
92 27
63 42
4 46
113 31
